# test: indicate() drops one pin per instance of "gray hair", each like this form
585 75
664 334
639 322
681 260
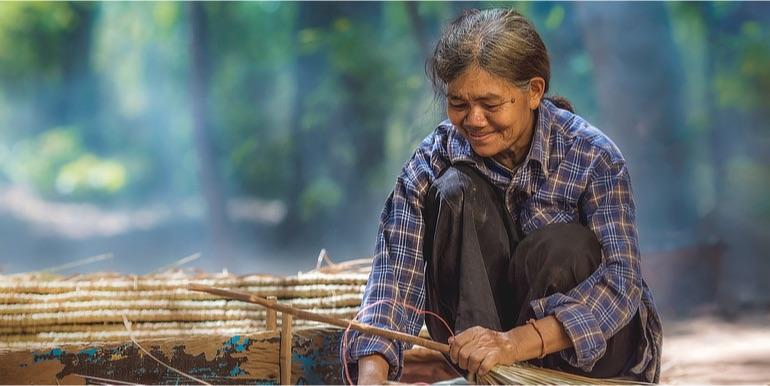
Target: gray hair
501 42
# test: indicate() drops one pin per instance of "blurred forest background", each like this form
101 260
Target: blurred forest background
258 133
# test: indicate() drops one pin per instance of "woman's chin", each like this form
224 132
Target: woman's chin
484 151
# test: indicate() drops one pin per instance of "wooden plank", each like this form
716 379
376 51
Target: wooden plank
238 359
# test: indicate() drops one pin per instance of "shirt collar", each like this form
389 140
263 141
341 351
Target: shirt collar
539 150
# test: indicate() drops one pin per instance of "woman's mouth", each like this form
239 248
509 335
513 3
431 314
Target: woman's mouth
479 136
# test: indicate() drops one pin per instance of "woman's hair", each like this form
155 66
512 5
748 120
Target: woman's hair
501 42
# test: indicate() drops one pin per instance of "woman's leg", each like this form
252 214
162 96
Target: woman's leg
556 258
467 251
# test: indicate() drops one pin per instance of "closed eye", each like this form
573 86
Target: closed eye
492 107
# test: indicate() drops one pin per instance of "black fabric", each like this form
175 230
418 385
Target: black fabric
481 272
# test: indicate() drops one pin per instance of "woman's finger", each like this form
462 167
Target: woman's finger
460 341
487 364
476 358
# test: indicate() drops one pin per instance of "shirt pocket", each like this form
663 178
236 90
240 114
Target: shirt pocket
540 211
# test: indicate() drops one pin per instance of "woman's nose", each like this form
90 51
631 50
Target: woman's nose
476 117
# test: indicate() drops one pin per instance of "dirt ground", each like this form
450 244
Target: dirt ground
713 350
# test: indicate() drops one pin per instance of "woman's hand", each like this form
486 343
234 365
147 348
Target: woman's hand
373 370
478 349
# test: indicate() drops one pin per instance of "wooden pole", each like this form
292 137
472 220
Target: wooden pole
307 315
270 320
285 354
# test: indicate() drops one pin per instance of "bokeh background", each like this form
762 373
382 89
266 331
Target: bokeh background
259 133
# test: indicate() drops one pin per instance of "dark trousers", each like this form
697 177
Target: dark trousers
481 272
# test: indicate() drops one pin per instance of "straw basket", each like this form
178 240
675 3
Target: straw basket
38 310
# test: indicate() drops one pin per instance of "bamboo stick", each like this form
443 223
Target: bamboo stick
285 353
271 322
400 336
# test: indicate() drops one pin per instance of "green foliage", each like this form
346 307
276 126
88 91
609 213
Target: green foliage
89 175
744 79
555 17
322 197
754 179
56 165
33 38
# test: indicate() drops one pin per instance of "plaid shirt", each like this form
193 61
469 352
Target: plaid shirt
572 172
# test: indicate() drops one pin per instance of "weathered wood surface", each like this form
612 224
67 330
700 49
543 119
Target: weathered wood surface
240 359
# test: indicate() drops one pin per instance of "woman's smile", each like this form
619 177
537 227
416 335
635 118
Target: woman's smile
480 137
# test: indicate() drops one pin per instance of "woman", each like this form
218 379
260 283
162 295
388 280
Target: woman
514 221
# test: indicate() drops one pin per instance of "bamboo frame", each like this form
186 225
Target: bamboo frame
400 336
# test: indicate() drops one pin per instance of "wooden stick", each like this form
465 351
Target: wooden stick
271 321
285 353
307 315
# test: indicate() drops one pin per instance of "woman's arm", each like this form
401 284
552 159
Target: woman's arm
395 286
373 370
607 300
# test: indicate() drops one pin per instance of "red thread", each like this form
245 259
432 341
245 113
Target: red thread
345 334
531 322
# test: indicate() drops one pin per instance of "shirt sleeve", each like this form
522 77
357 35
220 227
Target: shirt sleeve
395 288
598 307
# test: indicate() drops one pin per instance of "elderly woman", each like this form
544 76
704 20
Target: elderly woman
514 221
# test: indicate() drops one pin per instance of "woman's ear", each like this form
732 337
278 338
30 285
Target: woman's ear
536 90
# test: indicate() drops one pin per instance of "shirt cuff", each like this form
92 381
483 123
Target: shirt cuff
589 343
361 345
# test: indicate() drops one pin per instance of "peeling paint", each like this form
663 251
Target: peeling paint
238 359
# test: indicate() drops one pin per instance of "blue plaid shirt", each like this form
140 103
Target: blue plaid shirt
572 172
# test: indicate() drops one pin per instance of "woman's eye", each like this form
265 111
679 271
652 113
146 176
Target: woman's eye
458 106
492 107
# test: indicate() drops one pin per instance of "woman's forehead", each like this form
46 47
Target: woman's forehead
476 83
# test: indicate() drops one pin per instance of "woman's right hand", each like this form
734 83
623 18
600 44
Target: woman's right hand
373 370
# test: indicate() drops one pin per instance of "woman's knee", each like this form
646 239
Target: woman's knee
449 188
559 253
460 185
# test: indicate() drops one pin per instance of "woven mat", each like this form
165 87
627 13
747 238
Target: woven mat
38 310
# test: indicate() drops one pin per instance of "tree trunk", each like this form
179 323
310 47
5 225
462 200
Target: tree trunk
310 145
209 174
418 25
80 96
638 81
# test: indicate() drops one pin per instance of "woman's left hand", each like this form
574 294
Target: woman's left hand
478 349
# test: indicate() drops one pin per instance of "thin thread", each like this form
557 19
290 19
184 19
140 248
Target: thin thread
131 335
355 318
531 322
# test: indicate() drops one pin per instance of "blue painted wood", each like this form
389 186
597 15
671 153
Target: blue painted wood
242 359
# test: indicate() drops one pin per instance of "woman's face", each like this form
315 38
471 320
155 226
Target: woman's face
495 116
